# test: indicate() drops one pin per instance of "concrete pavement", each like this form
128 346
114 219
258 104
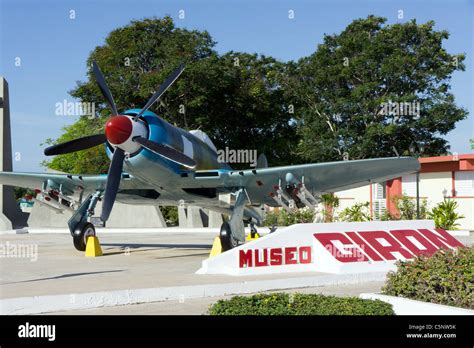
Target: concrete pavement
138 267
200 306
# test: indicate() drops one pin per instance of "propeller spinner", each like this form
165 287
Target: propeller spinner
126 134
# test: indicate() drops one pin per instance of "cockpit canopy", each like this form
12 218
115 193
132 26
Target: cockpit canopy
203 137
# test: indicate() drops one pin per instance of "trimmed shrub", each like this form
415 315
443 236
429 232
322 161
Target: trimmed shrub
359 212
406 207
299 304
282 218
446 277
445 216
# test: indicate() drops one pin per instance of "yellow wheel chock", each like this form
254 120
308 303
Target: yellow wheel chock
93 248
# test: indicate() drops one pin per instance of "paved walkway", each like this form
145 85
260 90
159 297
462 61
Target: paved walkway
49 265
200 306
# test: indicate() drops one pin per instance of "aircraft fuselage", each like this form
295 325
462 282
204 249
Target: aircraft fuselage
162 173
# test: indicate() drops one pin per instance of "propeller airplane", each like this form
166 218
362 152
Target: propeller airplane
156 163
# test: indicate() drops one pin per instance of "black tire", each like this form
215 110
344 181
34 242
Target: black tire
80 235
227 240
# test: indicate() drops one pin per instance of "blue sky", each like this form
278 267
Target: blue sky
53 48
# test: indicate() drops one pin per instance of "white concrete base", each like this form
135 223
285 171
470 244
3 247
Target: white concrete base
215 231
341 247
43 216
5 223
215 219
57 303
16 231
196 217
193 217
123 215
405 306
182 217
459 233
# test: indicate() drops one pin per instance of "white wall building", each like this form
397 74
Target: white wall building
445 176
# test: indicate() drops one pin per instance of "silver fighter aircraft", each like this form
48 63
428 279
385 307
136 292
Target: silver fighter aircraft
156 163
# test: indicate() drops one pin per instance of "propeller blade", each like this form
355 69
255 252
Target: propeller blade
99 77
164 86
166 151
113 182
76 145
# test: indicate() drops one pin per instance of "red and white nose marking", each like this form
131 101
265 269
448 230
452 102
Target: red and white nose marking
121 129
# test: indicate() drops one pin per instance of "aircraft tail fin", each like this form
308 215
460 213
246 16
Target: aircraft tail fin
262 161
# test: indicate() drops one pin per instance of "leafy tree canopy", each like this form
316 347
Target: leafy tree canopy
342 90
316 109
235 98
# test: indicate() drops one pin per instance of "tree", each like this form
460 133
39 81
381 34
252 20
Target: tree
235 98
239 103
90 161
330 202
346 94
135 59
21 192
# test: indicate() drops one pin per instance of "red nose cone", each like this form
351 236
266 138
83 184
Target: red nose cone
118 129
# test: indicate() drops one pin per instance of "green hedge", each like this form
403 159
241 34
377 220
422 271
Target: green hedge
283 218
299 304
446 277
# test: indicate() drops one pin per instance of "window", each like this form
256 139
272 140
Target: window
409 185
380 191
464 183
379 195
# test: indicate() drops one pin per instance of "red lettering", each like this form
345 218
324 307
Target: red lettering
290 256
353 255
276 257
305 254
245 258
402 236
259 263
386 251
364 246
442 239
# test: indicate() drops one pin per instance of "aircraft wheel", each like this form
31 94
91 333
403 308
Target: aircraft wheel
82 232
227 240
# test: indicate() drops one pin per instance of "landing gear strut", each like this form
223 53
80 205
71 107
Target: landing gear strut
232 232
78 224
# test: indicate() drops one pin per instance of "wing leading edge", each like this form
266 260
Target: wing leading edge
259 183
319 178
88 183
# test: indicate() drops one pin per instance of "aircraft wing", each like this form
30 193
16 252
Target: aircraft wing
69 182
319 178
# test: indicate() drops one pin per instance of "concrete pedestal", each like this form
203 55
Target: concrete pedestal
215 219
182 217
196 217
122 216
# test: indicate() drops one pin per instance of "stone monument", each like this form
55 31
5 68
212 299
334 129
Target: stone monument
10 213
